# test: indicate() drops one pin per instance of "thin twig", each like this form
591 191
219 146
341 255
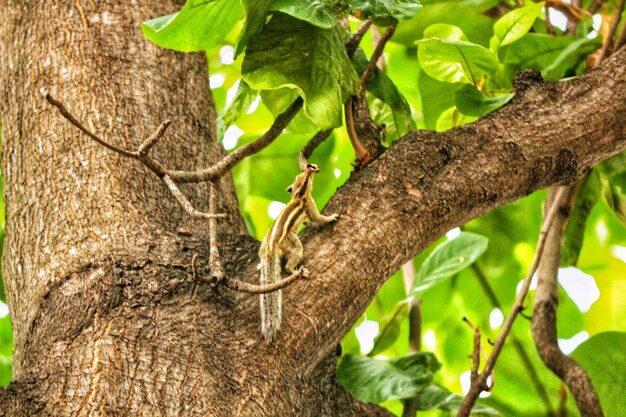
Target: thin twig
145 147
361 153
311 145
517 344
595 6
544 313
215 261
375 39
608 41
476 388
621 39
236 285
549 27
475 352
186 204
572 12
355 39
208 174
65 113
415 329
376 55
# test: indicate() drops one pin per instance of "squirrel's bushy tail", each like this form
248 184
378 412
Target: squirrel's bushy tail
270 302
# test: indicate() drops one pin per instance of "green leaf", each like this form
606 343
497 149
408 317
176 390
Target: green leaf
385 12
451 118
374 381
570 57
449 259
240 104
434 396
586 199
200 25
318 13
615 195
447 57
466 14
513 25
390 330
437 97
382 87
472 102
255 13
614 165
536 50
295 54
602 356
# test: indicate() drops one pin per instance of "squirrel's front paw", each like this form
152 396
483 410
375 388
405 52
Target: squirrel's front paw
304 272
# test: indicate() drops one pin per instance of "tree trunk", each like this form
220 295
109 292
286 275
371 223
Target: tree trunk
108 318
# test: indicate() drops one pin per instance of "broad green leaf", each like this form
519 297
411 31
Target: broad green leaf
389 330
277 102
437 97
240 104
451 118
323 14
382 87
586 199
374 381
472 102
615 195
200 25
513 25
385 12
570 57
602 356
466 14
445 31
295 54
536 50
452 59
448 259
255 13
434 396
614 165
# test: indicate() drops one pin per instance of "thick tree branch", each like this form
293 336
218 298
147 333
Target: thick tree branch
428 183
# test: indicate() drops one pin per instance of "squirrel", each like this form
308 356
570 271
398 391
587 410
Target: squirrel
281 242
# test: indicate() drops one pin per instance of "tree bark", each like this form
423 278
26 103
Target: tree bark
108 319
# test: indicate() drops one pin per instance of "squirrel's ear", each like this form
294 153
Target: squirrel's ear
289 189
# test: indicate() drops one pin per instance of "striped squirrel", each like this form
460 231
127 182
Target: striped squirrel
281 242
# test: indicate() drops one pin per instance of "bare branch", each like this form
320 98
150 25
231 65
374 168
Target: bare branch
361 153
215 261
171 185
595 6
477 386
544 314
517 344
311 145
355 39
65 113
415 329
378 52
237 285
608 41
145 147
208 174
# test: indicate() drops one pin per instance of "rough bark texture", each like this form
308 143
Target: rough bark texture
107 317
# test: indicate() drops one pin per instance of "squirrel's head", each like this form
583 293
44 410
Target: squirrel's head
304 182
